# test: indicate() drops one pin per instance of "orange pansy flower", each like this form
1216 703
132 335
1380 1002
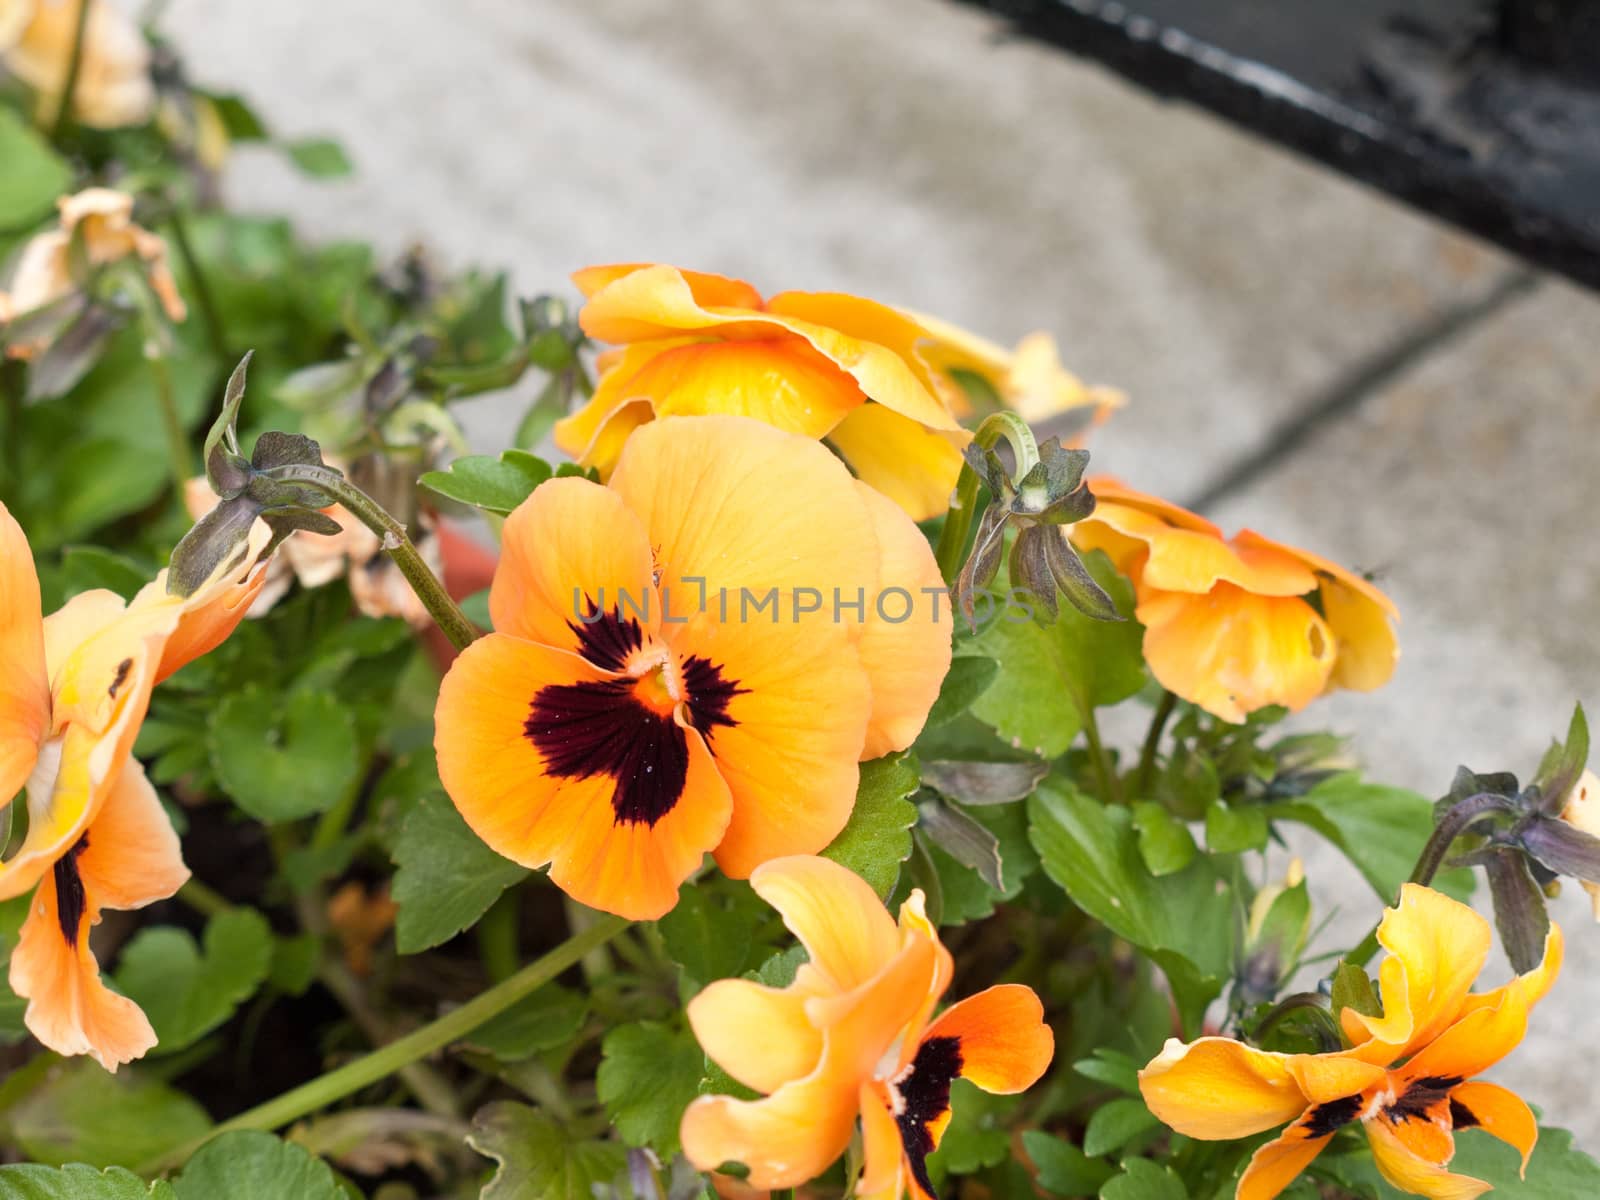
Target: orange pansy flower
73 691
850 1039
814 363
1236 624
672 670
1409 1075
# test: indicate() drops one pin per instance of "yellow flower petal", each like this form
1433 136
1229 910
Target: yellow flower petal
1217 1088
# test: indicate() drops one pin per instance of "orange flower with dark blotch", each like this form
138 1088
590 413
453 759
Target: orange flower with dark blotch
1236 624
671 670
851 1038
824 365
74 689
1408 1076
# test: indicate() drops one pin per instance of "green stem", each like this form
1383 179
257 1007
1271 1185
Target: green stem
199 285
964 502
331 824
1152 743
178 450
1110 785
11 384
74 65
203 898
445 612
498 936
454 1025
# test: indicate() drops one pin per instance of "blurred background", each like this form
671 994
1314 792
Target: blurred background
1302 356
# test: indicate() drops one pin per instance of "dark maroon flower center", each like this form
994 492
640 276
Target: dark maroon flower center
925 1097
70 897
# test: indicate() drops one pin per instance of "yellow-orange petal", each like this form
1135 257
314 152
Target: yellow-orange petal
1498 1112
713 291
905 643
1005 1044
838 918
794 1134
131 857
883 1173
757 1034
914 466
1232 652
1279 1163
1437 946
1406 1171
543 755
1327 1077
913 922
24 680
213 611
595 434
703 488
1216 1088
1491 1024
573 548
1190 555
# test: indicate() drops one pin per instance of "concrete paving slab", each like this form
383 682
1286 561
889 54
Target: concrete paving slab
895 148
1469 486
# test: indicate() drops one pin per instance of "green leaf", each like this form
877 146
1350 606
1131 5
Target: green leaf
1116 1123
29 1181
320 158
1165 843
968 678
1142 1179
1353 989
13 913
1112 1068
187 993
538 1158
250 1165
1232 830
1184 920
78 1113
1557 1171
239 119
965 894
548 1018
84 568
977 1135
648 1074
877 838
1050 676
1381 830
283 758
1064 1170
496 485
294 963
34 174
710 933
445 878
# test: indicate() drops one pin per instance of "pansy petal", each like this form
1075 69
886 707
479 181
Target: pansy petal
715 528
595 434
214 610
913 922
24 682
1409 1173
905 645
1217 1088
1327 1078
1232 652
1279 1163
1111 490
571 552
132 856
1003 1040
914 466
793 1135
1368 645
1498 1112
551 760
1183 560
838 918
1425 1135
714 291
759 1035
883 1173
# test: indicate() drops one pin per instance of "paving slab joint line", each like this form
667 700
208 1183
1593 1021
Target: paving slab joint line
1346 393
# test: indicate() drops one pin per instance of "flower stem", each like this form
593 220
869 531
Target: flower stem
964 500
352 1077
74 64
11 387
445 612
1152 743
1110 785
215 332
178 450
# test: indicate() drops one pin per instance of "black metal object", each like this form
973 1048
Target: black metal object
1486 115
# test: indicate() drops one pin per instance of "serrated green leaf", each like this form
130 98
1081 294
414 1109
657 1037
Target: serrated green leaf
1231 830
537 1158
283 758
1142 1179
78 1113
1184 920
496 485
250 1165
1165 843
648 1074
445 878
710 933
1116 1123
187 993
1064 1170
968 678
546 1019
34 174
1112 1068
30 1181
1050 676
877 838
978 1135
